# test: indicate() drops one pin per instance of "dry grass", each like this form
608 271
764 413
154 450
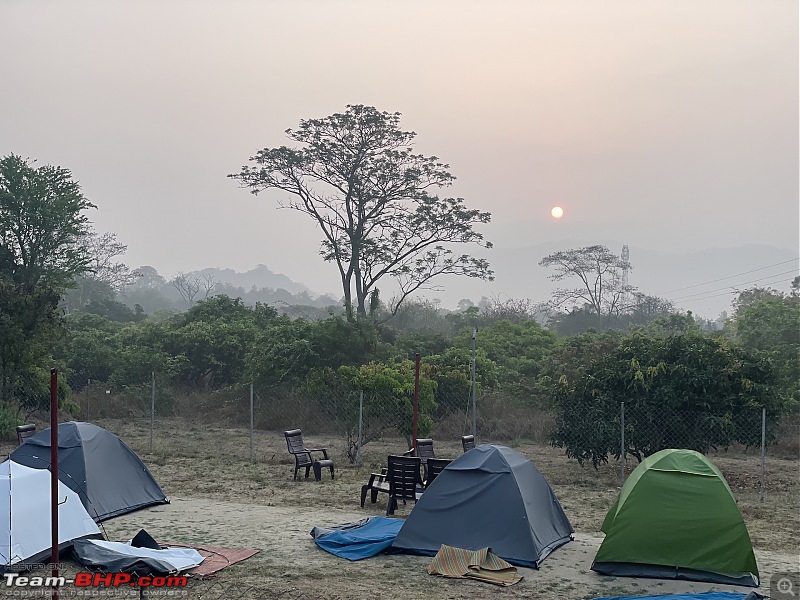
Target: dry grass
197 461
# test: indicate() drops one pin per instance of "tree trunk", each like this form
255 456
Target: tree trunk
362 306
348 297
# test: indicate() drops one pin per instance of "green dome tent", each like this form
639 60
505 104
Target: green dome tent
676 518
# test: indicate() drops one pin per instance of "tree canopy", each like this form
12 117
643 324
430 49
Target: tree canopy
767 323
357 177
680 391
42 229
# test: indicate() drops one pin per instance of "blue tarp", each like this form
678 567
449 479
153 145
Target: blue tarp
358 540
701 596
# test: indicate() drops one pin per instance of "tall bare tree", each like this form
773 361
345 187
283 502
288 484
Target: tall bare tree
190 286
105 276
104 248
357 177
600 272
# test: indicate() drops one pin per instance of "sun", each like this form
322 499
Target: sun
557 212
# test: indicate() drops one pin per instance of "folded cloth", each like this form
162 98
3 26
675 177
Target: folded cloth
483 565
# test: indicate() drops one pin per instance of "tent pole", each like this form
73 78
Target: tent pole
54 479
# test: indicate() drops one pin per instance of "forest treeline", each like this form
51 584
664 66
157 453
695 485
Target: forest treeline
67 301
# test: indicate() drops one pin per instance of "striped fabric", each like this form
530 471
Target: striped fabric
483 565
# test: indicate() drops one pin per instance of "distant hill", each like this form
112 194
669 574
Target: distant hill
259 277
704 282
154 293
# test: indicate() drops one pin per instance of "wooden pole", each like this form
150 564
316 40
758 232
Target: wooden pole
54 479
152 409
474 389
415 418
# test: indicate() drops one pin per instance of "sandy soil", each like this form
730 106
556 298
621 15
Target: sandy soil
222 497
289 559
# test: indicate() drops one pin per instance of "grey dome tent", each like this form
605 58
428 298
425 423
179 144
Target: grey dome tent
108 476
491 496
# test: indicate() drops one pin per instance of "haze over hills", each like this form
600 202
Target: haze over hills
701 281
259 277
704 282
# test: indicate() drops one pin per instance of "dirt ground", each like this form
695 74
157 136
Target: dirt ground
220 497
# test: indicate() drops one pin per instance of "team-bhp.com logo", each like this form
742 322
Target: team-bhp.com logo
95 580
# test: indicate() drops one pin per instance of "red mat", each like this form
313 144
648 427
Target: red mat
215 559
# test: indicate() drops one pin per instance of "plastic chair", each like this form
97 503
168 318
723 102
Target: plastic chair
24 432
303 456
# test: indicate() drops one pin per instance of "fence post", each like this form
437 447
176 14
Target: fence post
360 426
251 422
622 444
152 409
763 452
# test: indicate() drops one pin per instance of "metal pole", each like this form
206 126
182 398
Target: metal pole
88 397
251 422
622 444
54 478
474 387
152 410
360 426
763 452
415 418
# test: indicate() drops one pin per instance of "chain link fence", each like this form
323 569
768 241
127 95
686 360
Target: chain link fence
642 433
360 416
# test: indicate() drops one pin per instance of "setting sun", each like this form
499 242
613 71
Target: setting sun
557 212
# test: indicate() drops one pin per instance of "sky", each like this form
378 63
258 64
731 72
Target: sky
667 125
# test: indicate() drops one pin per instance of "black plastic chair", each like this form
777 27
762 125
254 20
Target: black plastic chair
303 456
424 451
467 442
24 432
404 480
405 471
435 466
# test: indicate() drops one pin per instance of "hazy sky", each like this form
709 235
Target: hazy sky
670 125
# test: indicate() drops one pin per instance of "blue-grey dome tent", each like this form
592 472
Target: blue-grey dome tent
109 478
491 496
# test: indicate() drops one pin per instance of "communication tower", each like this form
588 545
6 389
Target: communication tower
626 263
